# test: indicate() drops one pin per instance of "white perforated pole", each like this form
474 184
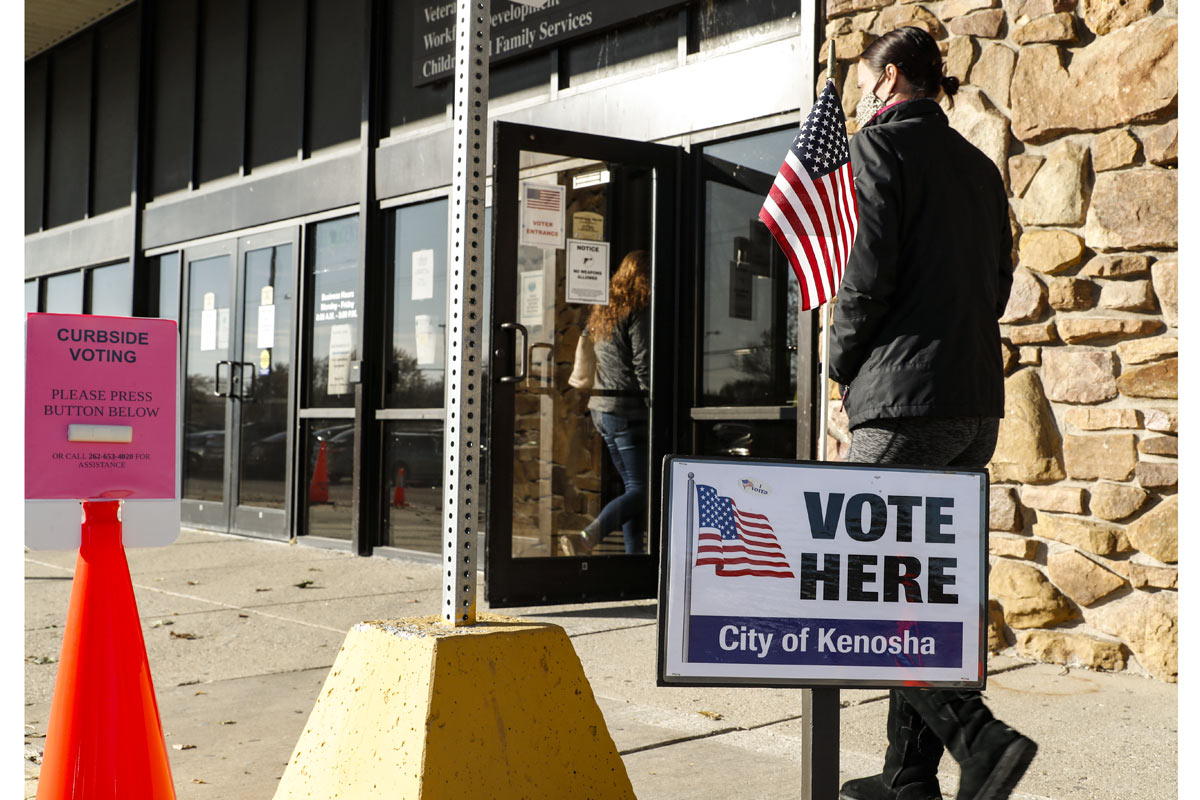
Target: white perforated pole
464 317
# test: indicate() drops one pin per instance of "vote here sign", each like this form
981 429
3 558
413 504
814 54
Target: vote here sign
811 574
100 423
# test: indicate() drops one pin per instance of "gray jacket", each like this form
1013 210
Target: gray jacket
623 368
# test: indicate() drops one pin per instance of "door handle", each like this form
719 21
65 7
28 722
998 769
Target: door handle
516 326
248 395
217 380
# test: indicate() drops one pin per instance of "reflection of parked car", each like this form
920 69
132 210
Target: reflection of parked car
340 454
205 450
265 454
418 453
733 438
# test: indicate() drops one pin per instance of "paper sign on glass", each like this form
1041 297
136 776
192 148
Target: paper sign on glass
341 345
543 214
222 328
422 275
266 327
587 272
426 341
532 299
208 329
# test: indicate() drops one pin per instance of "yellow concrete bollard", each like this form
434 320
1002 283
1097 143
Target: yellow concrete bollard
417 709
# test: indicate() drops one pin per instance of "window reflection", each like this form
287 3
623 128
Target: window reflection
64 293
416 368
412 459
750 299
327 493
333 310
31 296
110 290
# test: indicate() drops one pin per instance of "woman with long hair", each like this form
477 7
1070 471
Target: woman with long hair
620 333
916 346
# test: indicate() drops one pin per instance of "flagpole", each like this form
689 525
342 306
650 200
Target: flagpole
823 426
688 566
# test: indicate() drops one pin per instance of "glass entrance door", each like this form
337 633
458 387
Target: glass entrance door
238 386
584 240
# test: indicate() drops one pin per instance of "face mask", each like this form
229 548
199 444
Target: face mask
869 105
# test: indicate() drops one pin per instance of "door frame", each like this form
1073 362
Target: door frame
553 580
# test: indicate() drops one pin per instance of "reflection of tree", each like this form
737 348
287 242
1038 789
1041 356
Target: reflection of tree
409 384
204 410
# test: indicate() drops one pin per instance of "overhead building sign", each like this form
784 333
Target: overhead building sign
517 28
786 573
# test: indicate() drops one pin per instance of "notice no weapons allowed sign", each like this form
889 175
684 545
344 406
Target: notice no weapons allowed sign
784 573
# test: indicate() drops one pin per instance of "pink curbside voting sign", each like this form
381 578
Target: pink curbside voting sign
101 397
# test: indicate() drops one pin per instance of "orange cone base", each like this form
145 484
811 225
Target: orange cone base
104 740
318 487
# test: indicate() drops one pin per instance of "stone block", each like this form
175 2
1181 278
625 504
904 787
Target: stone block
1020 547
1165 277
995 633
1116 266
839 8
974 116
984 24
1004 514
1112 456
1160 446
1028 446
1162 144
1141 576
1099 419
1128 76
1066 499
1038 8
1050 251
1113 149
1049 28
1106 16
848 46
1149 624
1114 501
1055 195
1027 300
1009 356
1160 380
1079 375
1127 296
1163 420
1029 356
956 8
993 72
1098 538
1080 578
1133 209
917 16
1039 333
1085 329
958 53
1021 168
1142 351
1027 596
1157 474
1072 650
1072 294
1156 533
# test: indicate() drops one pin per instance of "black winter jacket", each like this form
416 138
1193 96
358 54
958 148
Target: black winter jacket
623 368
915 328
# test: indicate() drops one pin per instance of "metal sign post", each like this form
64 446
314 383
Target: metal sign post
464 352
820 732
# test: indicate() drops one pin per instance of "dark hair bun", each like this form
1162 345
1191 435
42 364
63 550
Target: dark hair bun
949 85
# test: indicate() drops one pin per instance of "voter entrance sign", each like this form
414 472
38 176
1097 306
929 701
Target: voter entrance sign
783 573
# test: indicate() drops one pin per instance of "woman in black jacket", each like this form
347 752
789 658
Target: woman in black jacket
916 347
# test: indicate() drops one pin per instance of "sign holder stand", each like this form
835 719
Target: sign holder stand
820 711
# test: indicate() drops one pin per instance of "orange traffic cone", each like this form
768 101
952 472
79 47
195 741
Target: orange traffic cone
104 740
318 488
398 498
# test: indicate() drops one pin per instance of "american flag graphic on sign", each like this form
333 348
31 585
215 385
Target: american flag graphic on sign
545 199
737 542
811 209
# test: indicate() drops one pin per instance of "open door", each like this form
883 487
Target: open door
568 208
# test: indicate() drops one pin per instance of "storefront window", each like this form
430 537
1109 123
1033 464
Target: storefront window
64 293
413 451
110 290
333 313
328 491
717 23
31 296
416 365
164 286
750 318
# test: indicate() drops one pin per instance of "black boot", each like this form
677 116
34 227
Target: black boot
992 756
910 763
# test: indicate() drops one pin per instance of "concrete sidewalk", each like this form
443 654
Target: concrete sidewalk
234 698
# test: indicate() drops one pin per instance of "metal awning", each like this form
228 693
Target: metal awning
48 22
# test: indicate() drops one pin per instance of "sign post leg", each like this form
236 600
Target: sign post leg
820 741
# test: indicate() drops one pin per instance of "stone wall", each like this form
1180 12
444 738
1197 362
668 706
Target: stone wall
1076 102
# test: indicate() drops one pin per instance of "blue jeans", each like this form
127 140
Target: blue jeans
628 442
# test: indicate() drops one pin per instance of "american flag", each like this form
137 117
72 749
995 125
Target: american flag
811 209
737 542
545 199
